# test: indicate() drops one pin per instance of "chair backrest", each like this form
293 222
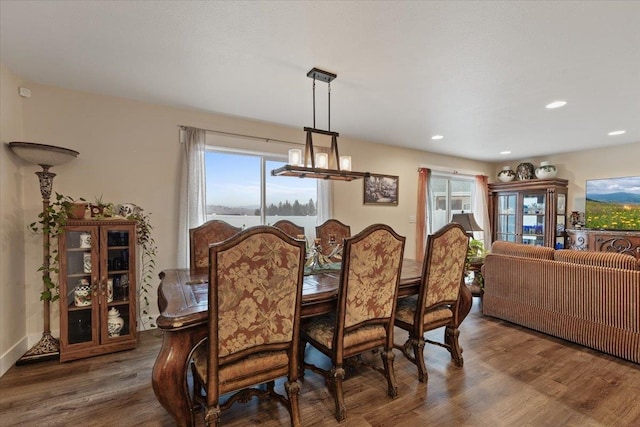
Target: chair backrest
292 229
369 279
200 238
331 231
255 293
443 269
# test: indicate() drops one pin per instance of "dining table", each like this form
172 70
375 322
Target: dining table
183 305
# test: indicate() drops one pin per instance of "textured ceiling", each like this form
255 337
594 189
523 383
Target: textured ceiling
479 73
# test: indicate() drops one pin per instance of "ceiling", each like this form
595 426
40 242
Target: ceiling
478 73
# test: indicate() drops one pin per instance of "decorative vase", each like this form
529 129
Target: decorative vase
85 241
546 170
82 294
109 290
114 323
506 174
86 262
525 171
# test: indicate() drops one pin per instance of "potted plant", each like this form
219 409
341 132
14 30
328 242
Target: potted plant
475 258
100 209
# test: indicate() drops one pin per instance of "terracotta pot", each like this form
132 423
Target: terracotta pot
77 210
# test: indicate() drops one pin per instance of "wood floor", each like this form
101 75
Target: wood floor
512 377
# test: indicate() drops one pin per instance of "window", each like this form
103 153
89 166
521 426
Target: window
448 195
241 191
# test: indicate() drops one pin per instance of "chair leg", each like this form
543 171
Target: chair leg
212 416
387 361
418 353
337 377
301 347
451 339
293 390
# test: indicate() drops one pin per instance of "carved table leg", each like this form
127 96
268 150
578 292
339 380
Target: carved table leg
169 377
464 306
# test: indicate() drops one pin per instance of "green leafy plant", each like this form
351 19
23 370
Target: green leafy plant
148 262
476 250
476 253
51 221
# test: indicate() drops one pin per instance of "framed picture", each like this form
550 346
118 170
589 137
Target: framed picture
381 190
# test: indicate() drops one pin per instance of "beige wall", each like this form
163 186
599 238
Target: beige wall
129 152
13 342
577 167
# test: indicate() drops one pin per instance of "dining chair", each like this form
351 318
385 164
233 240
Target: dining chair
331 232
363 319
289 227
201 237
255 292
436 304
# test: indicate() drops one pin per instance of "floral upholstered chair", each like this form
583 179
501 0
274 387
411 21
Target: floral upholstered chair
332 232
200 238
255 291
292 229
436 304
363 319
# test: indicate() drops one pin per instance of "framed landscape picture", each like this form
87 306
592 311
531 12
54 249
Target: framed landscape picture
381 190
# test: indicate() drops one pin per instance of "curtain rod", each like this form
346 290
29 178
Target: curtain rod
262 138
449 170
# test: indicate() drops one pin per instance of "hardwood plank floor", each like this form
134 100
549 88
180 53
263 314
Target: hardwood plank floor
512 376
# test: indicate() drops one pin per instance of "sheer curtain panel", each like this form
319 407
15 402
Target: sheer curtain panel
193 195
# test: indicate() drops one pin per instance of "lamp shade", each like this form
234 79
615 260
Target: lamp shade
42 154
467 221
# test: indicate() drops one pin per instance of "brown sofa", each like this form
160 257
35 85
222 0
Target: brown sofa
590 298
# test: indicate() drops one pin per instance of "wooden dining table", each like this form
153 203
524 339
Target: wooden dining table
182 300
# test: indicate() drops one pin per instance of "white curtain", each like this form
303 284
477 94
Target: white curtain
481 209
325 202
193 191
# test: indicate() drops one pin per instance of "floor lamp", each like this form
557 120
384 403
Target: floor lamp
46 156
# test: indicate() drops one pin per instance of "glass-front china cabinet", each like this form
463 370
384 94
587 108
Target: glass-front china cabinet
530 211
97 288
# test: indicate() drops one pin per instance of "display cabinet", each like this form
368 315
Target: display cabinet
530 211
97 276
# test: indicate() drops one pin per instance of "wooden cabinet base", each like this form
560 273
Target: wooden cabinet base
91 350
624 242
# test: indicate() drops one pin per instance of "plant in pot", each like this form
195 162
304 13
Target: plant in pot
100 209
475 255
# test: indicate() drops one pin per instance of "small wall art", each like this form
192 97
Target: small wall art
381 190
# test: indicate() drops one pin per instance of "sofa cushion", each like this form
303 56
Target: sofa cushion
600 259
521 250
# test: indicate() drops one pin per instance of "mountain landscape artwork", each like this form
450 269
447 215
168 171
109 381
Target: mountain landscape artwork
613 203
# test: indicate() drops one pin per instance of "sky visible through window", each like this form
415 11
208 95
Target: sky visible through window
234 180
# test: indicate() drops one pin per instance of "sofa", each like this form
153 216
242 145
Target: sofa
589 298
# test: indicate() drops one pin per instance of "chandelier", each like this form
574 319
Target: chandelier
319 165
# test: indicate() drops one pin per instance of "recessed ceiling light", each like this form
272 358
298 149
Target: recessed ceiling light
556 104
505 152
436 137
617 132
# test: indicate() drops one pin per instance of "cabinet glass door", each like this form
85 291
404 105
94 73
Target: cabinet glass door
561 216
506 221
79 271
119 283
533 219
